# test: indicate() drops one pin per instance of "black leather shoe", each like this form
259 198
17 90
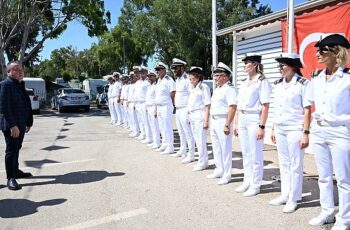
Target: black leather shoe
12 184
21 174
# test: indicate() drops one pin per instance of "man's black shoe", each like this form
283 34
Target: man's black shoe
21 174
12 184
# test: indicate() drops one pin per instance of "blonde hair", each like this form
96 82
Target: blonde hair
342 56
260 69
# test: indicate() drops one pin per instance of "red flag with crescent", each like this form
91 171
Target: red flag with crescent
308 29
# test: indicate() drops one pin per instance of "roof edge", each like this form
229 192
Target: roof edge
275 16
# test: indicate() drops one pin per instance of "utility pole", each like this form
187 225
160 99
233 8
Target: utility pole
214 46
123 54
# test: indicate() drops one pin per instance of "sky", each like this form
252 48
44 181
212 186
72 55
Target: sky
77 37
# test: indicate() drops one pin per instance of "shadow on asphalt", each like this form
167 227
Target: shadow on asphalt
12 208
54 147
73 113
81 177
38 164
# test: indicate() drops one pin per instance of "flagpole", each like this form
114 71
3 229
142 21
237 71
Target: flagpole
214 47
290 25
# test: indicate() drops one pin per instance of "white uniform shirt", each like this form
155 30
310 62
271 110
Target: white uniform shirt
110 89
332 97
141 87
223 97
290 99
124 93
116 89
164 88
199 97
151 95
183 87
131 92
253 93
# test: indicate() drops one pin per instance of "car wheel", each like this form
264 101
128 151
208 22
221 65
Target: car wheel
53 107
98 104
87 109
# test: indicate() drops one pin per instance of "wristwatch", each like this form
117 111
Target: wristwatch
262 126
227 126
306 132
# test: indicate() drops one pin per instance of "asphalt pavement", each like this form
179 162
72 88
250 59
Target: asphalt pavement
89 174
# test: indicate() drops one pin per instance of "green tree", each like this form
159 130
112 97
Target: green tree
31 22
182 28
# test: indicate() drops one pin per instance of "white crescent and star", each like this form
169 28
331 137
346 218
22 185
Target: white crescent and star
314 37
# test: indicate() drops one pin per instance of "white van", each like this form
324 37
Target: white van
38 85
90 86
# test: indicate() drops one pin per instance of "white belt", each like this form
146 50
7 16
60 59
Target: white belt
249 112
327 123
219 116
195 110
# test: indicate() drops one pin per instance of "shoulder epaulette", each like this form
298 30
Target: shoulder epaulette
244 79
302 80
167 77
315 73
262 77
201 86
230 84
346 70
278 81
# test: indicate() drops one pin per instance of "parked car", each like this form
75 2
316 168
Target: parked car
101 97
70 98
210 84
34 99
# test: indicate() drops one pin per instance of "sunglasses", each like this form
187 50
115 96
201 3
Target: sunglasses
325 50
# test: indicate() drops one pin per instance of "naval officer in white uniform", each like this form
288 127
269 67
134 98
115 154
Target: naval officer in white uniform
290 131
253 106
183 87
165 93
198 109
151 110
223 109
330 129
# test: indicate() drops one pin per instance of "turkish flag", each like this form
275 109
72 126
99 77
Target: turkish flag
309 28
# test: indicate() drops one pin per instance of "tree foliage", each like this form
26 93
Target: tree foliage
166 29
26 24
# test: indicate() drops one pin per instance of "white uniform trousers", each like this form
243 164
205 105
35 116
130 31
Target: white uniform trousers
200 135
185 133
291 159
125 114
146 125
134 124
165 115
117 108
112 111
222 147
252 149
139 118
153 124
331 145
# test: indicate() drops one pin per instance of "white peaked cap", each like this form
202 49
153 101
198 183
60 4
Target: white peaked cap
223 68
161 65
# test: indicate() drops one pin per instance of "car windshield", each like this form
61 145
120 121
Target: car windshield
67 91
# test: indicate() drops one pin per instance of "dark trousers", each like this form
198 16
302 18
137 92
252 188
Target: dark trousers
13 145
